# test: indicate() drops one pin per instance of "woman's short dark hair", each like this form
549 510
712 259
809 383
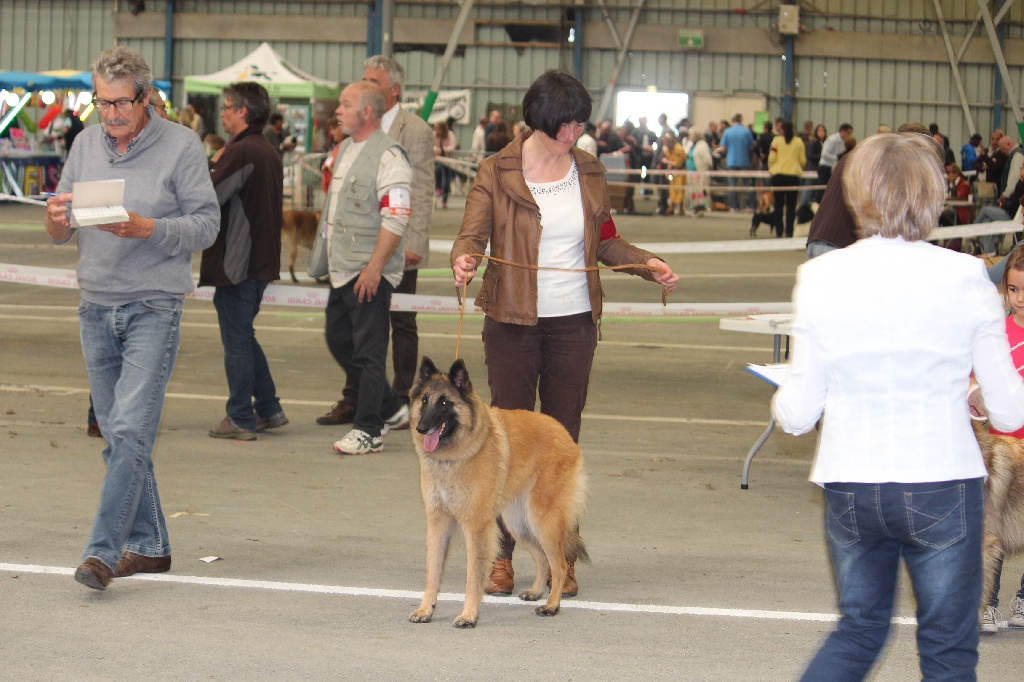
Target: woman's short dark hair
554 99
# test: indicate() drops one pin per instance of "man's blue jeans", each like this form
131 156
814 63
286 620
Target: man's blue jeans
738 199
250 385
129 353
937 529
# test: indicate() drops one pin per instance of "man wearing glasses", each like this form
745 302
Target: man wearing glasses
246 257
133 277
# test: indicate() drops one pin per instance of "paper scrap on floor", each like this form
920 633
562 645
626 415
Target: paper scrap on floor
99 202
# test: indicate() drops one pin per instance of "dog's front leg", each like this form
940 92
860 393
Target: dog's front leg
481 548
440 526
992 558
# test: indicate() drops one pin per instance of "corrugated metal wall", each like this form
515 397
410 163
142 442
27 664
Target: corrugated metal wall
49 34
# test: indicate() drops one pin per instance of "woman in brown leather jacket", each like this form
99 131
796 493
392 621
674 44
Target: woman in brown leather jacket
541 201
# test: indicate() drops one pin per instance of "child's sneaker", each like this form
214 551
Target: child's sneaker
1017 617
990 621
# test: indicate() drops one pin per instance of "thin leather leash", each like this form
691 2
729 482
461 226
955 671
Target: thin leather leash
460 292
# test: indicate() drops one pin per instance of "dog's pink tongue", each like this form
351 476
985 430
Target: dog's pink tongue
431 439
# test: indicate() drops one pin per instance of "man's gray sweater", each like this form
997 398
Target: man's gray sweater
167 179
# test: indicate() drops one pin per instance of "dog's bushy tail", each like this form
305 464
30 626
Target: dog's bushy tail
575 549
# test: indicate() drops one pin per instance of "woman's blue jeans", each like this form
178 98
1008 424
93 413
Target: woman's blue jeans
129 353
937 529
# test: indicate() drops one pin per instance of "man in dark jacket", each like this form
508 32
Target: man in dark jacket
246 257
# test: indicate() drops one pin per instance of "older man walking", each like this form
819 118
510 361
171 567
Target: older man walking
368 208
133 277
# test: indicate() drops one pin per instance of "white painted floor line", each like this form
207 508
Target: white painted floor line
67 390
448 596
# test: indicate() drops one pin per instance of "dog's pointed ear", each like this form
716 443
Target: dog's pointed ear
459 376
427 368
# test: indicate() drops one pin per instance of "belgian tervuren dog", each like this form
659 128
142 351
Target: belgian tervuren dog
298 227
1004 501
478 462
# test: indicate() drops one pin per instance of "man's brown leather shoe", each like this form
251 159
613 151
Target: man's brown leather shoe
93 430
340 413
93 573
501 581
132 563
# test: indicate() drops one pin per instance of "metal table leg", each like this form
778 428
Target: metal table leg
753 451
745 483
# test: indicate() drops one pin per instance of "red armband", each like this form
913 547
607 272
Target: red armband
608 230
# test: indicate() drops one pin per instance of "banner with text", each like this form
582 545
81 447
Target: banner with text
453 103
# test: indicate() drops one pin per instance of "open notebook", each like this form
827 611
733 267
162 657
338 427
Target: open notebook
97 203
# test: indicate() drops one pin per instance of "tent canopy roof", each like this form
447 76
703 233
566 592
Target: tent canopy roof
266 67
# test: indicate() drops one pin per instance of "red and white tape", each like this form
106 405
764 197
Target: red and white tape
316 297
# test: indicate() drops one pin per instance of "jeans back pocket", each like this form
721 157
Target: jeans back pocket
936 518
842 519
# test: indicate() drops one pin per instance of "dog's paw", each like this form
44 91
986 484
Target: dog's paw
420 616
529 595
546 610
464 622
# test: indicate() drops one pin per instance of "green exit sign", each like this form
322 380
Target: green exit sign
691 38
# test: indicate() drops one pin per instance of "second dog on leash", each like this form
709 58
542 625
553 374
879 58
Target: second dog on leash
298 227
765 212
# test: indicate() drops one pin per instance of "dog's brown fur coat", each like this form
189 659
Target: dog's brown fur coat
298 227
520 465
1004 501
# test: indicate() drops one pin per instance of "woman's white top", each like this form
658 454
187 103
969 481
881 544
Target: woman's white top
886 334
561 246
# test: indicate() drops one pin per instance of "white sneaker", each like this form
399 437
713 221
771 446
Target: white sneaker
1017 617
358 442
396 422
990 621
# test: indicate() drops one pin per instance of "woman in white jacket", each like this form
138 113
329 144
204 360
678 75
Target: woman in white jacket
887 332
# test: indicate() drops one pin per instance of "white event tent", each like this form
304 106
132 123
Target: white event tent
283 81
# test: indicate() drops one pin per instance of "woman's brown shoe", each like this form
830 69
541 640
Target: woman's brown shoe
570 588
501 581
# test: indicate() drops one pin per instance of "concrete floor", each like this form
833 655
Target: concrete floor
323 556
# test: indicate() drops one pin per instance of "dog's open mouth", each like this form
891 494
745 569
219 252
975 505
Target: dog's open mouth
432 438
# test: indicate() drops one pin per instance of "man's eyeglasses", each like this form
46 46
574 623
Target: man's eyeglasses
225 107
122 105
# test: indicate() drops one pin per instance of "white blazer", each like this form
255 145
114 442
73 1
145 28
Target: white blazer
886 334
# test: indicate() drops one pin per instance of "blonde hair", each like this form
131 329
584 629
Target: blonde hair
894 185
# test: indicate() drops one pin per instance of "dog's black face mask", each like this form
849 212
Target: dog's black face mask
443 401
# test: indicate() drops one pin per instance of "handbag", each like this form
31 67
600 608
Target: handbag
317 266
